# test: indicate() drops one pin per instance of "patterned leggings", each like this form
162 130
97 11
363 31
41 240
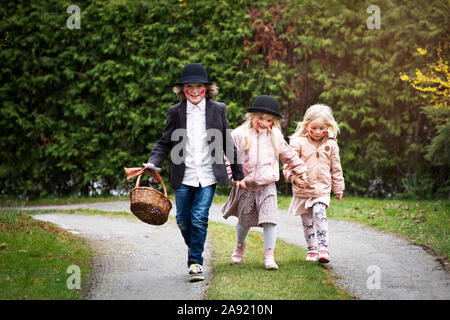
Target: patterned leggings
316 222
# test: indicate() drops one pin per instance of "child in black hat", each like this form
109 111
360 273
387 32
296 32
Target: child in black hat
195 168
261 145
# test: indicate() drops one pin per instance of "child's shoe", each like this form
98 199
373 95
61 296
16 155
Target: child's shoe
269 260
238 254
196 272
312 256
324 257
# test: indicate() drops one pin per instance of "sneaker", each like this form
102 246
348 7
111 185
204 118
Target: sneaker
312 256
196 273
324 257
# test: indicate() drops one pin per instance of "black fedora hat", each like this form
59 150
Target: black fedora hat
193 73
266 104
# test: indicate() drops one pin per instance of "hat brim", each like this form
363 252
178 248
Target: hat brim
181 83
193 79
256 109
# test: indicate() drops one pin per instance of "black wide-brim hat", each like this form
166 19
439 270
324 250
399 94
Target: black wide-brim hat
193 73
266 104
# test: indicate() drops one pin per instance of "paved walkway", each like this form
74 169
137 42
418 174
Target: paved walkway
133 260
369 264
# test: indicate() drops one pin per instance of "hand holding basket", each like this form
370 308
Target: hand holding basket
146 203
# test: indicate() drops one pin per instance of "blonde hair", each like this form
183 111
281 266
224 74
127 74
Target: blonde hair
317 111
247 126
211 91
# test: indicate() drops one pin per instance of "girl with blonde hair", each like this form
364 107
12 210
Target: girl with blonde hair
315 142
260 144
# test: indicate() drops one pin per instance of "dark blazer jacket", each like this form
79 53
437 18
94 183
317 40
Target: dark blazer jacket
216 118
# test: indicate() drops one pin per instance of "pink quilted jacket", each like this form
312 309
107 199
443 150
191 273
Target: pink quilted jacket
260 163
324 167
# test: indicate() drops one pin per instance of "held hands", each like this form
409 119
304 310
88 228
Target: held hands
239 184
301 181
339 196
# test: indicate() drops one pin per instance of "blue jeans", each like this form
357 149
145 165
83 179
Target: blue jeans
193 205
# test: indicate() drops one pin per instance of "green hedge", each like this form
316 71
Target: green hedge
78 105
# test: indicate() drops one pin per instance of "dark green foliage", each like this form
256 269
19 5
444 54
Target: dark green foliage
78 105
335 59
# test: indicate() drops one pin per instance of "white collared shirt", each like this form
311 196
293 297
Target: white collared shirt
198 159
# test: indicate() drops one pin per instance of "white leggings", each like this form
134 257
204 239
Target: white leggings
269 234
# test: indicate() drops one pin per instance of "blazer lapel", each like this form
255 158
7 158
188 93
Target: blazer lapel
182 114
209 111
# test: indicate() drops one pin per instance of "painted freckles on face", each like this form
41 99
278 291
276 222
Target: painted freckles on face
195 92
263 121
317 129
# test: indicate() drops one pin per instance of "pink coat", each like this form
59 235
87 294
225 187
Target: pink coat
324 167
260 163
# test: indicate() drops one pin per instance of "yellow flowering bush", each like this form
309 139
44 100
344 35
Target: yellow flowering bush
433 86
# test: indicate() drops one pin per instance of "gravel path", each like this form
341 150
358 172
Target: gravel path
369 264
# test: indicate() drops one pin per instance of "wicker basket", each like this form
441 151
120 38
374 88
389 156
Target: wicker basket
150 205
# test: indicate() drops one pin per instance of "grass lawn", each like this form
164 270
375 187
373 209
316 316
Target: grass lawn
296 279
35 257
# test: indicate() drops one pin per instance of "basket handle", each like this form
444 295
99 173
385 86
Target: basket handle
160 180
